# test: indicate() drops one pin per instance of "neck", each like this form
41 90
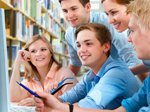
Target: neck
43 72
99 65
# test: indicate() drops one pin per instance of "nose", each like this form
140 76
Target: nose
82 49
38 53
69 14
129 39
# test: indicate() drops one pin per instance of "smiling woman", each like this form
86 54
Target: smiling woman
42 71
118 17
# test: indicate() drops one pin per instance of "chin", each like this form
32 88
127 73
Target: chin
121 29
84 64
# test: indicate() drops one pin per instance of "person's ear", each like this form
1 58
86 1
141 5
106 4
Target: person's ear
88 6
106 47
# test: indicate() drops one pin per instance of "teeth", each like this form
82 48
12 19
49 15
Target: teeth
116 25
39 59
84 57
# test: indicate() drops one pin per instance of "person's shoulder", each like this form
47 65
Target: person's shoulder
99 17
66 71
69 29
115 65
69 33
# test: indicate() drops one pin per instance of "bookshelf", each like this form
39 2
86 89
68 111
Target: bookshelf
24 18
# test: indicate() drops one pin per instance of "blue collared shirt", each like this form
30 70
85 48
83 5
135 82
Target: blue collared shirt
139 100
121 48
116 82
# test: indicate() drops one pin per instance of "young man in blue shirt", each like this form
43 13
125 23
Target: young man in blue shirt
77 12
108 81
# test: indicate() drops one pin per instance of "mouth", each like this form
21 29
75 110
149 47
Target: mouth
40 59
116 25
84 57
72 20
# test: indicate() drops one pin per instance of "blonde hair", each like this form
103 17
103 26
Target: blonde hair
140 9
30 69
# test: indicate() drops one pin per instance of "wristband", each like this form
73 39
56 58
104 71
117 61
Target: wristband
70 107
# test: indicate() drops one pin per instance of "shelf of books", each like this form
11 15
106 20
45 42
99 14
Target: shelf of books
25 18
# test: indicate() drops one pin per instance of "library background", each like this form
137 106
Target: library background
19 20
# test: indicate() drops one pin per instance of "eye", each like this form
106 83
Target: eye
113 13
106 13
65 11
74 8
44 49
89 43
129 32
33 51
78 45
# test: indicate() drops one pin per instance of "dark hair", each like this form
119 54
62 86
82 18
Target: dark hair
83 2
122 2
102 33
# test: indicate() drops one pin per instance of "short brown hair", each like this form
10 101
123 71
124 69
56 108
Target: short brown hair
121 2
83 2
102 33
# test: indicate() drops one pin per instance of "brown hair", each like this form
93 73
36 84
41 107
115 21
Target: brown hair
121 2
30 69
102 33
83 2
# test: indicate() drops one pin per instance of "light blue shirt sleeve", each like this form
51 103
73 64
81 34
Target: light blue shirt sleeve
112 88
139 99
145 109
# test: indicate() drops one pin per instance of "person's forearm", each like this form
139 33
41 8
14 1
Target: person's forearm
14 88
139 69
74 69
76 108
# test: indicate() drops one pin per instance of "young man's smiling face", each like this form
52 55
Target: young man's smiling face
75 13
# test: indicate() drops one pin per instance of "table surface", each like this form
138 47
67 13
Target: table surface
17 108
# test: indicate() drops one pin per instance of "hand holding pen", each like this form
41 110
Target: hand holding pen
60 85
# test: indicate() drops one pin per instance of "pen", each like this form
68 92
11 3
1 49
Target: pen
30 91
60 83
57 89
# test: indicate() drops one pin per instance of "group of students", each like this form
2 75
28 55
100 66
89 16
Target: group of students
109 85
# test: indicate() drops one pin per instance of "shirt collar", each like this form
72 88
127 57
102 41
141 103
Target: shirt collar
52 70
101 70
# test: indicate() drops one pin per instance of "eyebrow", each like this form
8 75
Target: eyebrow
84 41
70 8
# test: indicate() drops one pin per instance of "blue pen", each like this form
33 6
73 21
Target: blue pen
60 83
30 91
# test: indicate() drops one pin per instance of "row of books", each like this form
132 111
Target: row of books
21 27
30 17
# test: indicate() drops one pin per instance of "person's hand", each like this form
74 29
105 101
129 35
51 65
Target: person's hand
23 56
47 103
27 102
